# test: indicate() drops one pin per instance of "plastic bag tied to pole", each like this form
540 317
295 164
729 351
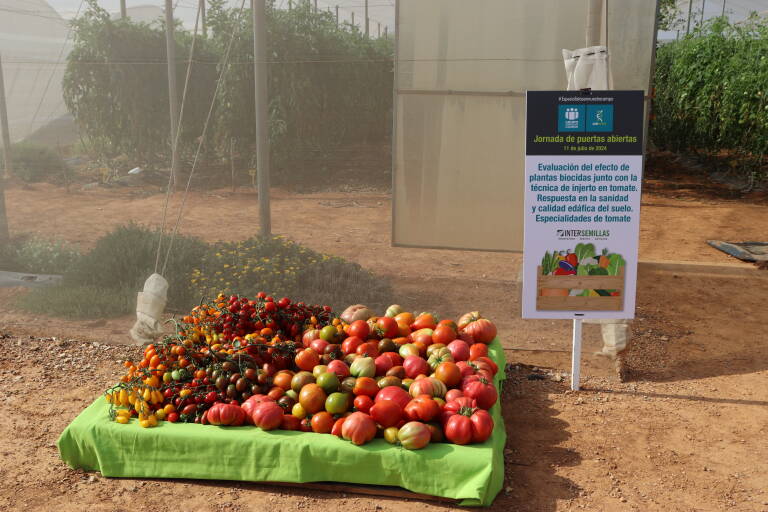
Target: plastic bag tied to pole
150 305
588 68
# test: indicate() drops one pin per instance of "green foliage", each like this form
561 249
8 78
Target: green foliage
104 282
116 85
125 258
79 301
33 162
327 85
282 267
45 256
711 90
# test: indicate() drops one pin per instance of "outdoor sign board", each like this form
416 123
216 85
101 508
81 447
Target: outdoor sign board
583 171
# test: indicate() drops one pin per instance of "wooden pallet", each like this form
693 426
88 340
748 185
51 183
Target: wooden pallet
568 303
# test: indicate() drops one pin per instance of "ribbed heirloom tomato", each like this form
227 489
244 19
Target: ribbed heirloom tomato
307 359
422 408
358 428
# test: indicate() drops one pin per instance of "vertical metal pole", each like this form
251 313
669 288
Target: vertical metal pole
202 18
386 31
366 19
378 30
594 22
701 19
576 355
315 6
337 16
690 8
290 5
353 18
173 100
260 92
4 234
123 10
723 13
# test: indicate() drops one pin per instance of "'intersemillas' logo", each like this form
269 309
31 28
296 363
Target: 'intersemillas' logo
583 233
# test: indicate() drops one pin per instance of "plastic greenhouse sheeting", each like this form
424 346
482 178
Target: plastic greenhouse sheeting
462 70
473 474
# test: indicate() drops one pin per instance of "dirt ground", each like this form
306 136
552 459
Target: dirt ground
686 432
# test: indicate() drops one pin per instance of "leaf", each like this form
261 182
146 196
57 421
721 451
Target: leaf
584 251
615 263
582 270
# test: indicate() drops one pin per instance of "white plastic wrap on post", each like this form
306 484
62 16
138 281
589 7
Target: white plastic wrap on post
576 355
150 305
588 68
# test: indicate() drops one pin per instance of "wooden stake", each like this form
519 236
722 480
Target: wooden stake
123 10
4 234
262 113
367 21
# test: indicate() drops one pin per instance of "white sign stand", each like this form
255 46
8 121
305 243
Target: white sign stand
576 354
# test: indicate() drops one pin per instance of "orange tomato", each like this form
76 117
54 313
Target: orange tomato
307 359
405 318
448 373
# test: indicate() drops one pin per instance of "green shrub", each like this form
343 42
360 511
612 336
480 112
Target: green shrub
712 90
45 257
125 258
33 162
79 301
283 267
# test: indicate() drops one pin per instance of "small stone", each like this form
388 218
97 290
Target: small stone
91 479
557 377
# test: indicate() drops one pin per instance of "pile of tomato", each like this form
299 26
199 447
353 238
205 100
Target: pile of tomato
412 379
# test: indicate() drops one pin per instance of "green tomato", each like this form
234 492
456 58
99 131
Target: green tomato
328 381
337 403
328 333
176 375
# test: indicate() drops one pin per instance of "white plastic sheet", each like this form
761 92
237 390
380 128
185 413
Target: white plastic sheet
462 71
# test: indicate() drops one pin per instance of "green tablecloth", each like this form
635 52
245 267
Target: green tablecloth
473 474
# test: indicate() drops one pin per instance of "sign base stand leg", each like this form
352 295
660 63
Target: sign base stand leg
576 354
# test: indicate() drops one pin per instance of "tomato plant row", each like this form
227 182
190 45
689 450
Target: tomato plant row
412 379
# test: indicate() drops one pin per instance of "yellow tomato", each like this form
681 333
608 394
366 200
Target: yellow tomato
122 419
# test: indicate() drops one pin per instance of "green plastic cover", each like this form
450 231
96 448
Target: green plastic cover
473 474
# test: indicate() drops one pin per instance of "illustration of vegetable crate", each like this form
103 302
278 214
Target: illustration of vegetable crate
580 280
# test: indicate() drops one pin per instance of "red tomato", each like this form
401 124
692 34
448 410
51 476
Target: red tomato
414 366
369 349
173 417
458 429
425 338
267 416
482 391
363 403
386 413
493 366
307 359
453 394
449 373
322 422
358 428
422 408
336 429
310 335
225 414
480 329
318 345
365 386
394 393
397 359
349 345
359 329
460 350
386 327
383 363
290 422
444 334
339 367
